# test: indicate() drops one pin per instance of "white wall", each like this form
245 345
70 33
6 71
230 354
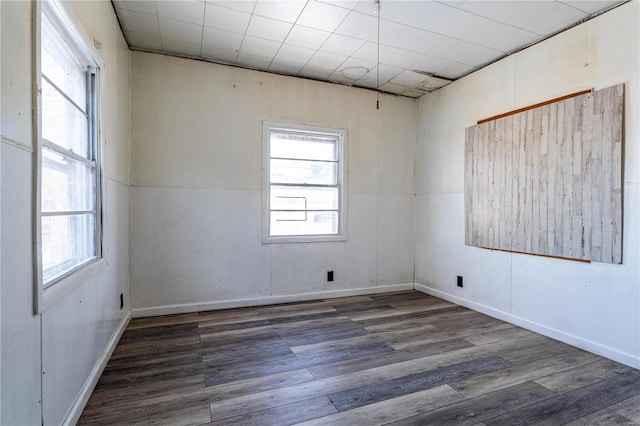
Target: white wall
54 357
595 306
196 195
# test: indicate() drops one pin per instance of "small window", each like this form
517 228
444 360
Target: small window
69 188
304 194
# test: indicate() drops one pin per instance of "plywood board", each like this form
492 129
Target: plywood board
548 180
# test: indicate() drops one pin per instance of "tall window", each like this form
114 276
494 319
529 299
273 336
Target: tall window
69 155
304 183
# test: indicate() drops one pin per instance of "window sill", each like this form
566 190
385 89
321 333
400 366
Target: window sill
69 283
304 239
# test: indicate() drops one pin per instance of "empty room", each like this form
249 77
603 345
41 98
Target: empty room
319 212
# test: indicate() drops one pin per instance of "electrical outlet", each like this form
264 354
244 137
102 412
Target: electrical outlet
460 281
329 275
121 300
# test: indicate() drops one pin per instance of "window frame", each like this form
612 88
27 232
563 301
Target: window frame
45 295
342 137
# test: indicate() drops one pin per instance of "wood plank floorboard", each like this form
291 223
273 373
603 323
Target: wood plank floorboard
402 358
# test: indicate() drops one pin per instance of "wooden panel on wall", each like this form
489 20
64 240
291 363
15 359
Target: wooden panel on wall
548 180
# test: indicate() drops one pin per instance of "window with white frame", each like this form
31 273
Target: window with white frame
69 172
304 188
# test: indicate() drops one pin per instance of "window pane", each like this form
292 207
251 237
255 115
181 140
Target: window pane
66 242
304 223
62 123
67 184
303 198
309 147
60 65
299 171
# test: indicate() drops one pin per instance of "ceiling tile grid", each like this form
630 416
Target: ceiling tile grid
406 47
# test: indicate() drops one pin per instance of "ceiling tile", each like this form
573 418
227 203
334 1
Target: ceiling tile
398 57
270 29
467 53
219 55
191 11
138 22
438 66
368 51
456 23
455 70
141 6
388 55
242 6
315 73
368 7
322 16
342 45
498 36
259 47
285 67
326 60
283 10
387 72
253 61
419 88
425 42
418 14
226 19
294 54
367 83
354 69
180 31
434 83
337 77
221 39
413 93
429 64
393 88
515 13
358 25
345 4
558 19
590 6
307 37
397 35
409 78
143 40
181 48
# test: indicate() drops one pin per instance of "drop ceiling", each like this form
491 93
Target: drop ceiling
423 44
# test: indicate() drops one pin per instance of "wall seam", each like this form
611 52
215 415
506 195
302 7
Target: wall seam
415 186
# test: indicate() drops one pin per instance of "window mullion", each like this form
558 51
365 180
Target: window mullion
67 153
306 185
64 95
305 159
67 213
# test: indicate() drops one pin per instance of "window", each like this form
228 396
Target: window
68 150
304 189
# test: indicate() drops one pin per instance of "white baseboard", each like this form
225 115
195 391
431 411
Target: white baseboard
268 300
570 339
89 384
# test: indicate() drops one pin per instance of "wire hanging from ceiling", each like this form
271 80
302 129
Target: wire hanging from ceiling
376 10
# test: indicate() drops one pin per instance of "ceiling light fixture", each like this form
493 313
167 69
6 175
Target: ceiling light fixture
376 11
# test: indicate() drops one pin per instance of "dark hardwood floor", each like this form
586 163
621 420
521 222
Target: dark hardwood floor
398 358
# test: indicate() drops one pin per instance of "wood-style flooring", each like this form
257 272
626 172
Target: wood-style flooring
396 358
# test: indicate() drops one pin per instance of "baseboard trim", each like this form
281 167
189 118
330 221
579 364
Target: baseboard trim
570 339
268 300
89 384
